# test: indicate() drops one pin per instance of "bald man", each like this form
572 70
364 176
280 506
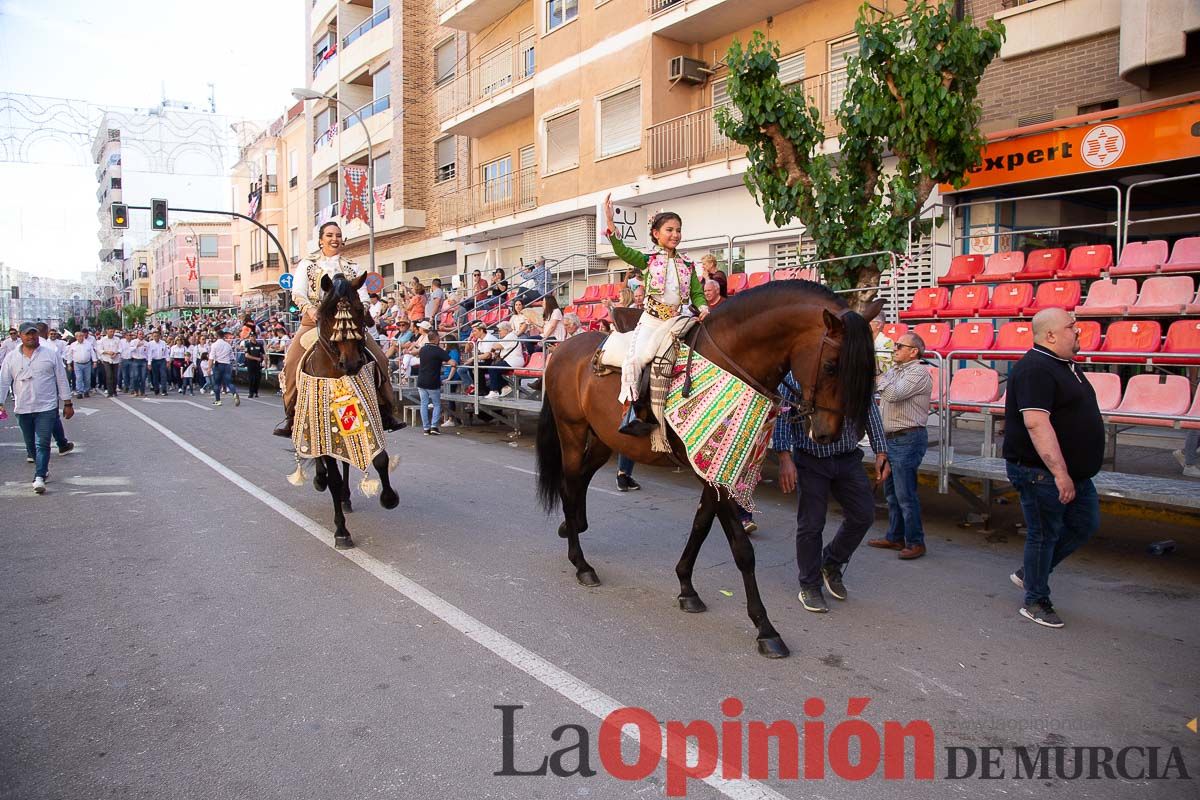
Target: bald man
1054 444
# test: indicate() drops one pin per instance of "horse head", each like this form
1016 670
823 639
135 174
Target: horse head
341 320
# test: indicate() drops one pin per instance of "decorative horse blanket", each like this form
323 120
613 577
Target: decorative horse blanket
338 417
725 425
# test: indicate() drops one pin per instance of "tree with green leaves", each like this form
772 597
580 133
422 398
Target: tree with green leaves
912 93
107 318
134 315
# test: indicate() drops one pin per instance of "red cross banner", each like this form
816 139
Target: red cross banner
356 194
191 262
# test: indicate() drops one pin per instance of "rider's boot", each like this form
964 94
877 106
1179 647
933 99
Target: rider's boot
285 428
387 409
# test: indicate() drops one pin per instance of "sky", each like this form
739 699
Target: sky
122 54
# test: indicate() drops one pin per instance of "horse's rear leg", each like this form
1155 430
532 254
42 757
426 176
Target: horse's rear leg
341 536
688 599
770 643
388 497
346 504
597 456
573 489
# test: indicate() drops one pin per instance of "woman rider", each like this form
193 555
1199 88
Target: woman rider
670 282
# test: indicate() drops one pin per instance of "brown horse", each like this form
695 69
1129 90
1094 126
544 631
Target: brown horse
336 356
760 334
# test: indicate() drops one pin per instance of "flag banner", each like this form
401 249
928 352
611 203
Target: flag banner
355 206
381 193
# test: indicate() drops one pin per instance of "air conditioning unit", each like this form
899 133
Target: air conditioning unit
688 70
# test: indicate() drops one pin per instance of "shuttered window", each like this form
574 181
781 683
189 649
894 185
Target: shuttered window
562 142
791 69
621 122
447 163
445 61
838 53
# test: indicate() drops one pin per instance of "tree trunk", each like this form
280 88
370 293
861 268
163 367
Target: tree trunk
868 280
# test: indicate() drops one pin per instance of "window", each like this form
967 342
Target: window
381 82
838 53
562 142
294 244
791 69
293 168
497 180
271 178
560 12
208 245
620 122
383 169
445 60
739 260
446 161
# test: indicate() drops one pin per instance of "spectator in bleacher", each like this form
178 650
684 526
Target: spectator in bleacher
507 355
416 303
883 348
816 471
1054 445
376 307
434 299
708 266
571 325
542 276
429 383
496 289
527 287
905 394
552 320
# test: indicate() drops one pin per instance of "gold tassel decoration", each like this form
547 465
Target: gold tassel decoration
344 327
369 486
297 478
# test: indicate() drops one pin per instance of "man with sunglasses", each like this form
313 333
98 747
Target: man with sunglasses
1054 444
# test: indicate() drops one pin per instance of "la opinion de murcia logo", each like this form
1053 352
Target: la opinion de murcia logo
1103 145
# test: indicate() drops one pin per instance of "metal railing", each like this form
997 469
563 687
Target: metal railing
1130 222
323 215
655 6
366 111
487 200
491 74
366 25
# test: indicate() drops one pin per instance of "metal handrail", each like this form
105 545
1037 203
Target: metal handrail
366 111
366 25
1129 204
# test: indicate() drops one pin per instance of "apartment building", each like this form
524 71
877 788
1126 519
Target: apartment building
270 185
192 269
375 58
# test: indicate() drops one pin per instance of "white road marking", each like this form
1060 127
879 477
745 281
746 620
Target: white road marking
564 683
87 412
534 473
265 403
97 480
189 402
921 676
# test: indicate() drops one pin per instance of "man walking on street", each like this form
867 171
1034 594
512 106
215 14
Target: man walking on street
39 383
221 356
816 471
255 353
109 350
905 392
59 433
1053 445
157 352
80 355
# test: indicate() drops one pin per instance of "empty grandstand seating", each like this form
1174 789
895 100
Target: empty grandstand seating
936 335
1154 394
894 330
1185 256
936 375
1166 295
1015 335
1041 264
591 294
1130 336
1109 298
962 269
1008 300
1191 419
971 337
1108 389
965 301
737 282
1183 339
1055 294
971 386
1087 261
926 303
1089 334
533 366
1140 258
1002 266
759 278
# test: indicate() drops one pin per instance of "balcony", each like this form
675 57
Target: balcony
190 299
495 92
489 200
325 74
693 139
272 260
256 266
698 21
471 15
370 39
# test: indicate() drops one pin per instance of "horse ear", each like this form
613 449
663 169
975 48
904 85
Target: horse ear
833 323
326 283
358 282
872 310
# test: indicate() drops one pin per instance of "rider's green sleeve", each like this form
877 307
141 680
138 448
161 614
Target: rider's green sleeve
634 258
696 290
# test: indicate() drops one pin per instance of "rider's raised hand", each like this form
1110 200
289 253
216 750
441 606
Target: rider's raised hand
608 213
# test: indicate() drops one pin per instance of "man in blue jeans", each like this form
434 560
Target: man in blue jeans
430 359
38 379
221 355
1054 444
905 392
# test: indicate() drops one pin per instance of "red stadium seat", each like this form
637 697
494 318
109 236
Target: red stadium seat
1002 266
784 274
759 278
1191 420
1141 258
973 385
965 301
1108 298
533 366
1055 294
600 312
1169 395
610 291
1008 300
585 312
971 337
1087 261
1185 256
569 310
1194 306
1108 389
1041 264
1089 335
1183 338
936 335
591 294
962 269
1016 336
1138 336
998 408
936 375
737 282
894 330
926 303
1164 296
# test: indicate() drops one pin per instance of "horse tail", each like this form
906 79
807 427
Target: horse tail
857 367
549 457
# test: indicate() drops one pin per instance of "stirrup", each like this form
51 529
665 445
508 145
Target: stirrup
633 425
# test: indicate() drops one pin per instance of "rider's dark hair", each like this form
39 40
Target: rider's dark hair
321 231
660 219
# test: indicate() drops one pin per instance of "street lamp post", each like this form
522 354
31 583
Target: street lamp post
309 94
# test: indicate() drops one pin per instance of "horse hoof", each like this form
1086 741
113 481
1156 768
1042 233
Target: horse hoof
342 543
389 499
587 578
692 605
773 648
563 533
319 483
347 508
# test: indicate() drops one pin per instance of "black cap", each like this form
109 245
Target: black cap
27 327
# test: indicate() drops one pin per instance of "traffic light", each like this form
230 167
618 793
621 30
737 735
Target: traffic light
120 215
158 215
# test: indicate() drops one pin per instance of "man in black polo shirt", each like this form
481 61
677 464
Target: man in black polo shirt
1054 444
255 353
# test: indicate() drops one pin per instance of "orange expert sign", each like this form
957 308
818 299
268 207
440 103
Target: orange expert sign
1161 135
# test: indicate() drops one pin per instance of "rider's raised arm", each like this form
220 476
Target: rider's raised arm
634 258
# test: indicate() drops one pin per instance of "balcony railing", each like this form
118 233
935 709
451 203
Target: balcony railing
367 111
442 6
191 298
655 6
491 74
323 58
272 260
256 266
695 138
323 215
367 24
498 197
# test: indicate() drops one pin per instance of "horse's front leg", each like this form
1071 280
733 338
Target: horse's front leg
347 506
770 643
388 497
688 599
341 536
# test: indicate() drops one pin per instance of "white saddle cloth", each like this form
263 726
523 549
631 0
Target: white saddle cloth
615 348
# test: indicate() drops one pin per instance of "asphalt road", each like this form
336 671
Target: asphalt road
174 623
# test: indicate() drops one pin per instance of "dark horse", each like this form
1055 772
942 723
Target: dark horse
339 351
762 334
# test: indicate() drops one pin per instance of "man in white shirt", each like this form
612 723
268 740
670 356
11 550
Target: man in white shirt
80 355
156 353
221 357
11 343
39 383
137 357
108 348
126 381
509 356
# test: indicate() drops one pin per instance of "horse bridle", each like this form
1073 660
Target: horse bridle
807 405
